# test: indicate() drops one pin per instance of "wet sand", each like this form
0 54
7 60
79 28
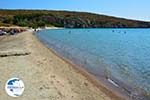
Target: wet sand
46 76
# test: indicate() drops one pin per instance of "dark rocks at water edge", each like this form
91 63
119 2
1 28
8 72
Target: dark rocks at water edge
11 31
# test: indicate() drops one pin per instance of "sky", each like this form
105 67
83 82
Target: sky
132 9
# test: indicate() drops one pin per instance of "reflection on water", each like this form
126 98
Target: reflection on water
120 53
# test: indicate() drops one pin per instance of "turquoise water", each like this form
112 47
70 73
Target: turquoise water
122 54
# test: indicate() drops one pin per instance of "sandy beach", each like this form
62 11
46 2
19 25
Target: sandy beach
45 75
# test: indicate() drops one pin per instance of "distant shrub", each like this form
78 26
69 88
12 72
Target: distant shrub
41 18
7 20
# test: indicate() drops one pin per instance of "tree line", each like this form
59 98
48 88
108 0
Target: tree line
68 19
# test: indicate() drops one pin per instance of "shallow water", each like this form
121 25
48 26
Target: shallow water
120 53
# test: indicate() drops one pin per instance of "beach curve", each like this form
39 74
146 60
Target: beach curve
46 76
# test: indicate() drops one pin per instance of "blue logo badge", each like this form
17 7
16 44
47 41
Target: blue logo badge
14 87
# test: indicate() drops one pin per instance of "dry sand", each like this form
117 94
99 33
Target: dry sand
45 75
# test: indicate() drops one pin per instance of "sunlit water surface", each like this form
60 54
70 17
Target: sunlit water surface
121 53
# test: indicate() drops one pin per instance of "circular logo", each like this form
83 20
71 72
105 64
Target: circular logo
14 87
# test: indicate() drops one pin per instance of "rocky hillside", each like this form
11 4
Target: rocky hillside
67 19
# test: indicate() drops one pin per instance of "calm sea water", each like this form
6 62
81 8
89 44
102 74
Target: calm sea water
120 53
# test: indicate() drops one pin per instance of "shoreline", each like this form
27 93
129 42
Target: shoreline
45 75
106 85
109 84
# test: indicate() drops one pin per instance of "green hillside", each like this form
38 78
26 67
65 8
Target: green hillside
67 19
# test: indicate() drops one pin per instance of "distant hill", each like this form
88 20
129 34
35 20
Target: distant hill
67 19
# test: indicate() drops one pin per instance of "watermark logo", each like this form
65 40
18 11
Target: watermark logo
14 87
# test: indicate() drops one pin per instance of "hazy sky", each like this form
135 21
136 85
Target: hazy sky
133 9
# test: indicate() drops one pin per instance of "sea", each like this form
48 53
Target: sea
121 55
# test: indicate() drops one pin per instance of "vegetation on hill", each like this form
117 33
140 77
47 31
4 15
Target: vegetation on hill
67 19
